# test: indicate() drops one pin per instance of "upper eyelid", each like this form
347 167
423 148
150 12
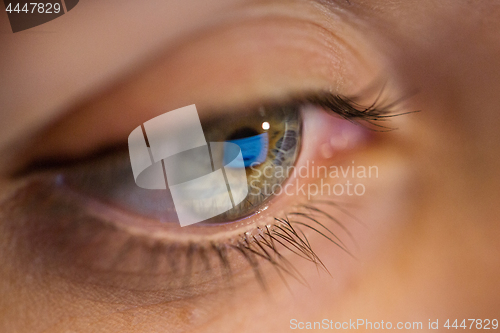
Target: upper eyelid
56 111
103 132
332 76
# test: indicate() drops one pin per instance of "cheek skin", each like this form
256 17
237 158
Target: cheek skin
444 263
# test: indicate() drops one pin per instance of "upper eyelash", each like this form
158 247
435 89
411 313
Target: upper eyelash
343 106
347 107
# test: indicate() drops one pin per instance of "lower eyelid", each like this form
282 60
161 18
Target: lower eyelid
56 237
82 249
116 265
87 251
102 263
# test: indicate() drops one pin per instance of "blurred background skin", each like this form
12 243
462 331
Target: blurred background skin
439 260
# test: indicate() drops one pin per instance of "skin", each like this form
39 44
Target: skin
431 250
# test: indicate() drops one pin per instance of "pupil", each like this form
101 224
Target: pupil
254 146
242 133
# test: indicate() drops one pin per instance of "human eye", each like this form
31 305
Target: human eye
101 191
92 224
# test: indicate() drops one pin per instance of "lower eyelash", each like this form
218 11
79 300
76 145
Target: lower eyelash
269 243
83 249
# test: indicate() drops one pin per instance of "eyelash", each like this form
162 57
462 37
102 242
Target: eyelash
286 233
346 107
261 243
370 116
